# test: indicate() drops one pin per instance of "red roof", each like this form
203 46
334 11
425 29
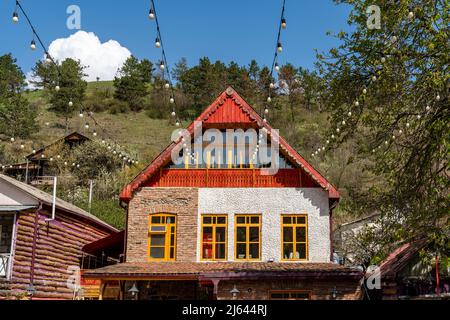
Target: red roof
229 109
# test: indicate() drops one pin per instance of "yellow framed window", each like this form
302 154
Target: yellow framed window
248 237
294 235
290 295
214 237
162 237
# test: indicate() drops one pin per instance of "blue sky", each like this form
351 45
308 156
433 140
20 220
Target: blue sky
238 30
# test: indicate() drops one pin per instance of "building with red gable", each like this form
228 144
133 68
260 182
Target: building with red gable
222 225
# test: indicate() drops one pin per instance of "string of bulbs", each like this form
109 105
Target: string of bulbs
163 65
275 66
357 104
50 60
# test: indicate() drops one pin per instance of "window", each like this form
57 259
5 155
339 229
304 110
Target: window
162 237
289 295
294 233
248 237
214 237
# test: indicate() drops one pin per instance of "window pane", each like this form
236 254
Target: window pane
170 220
172 253
207 251
172 239
255 220
288 234
301 251
301 220
207 220
220 234
241 234
301 234
221 220
300 296
288 251
158 229
156 219
254 251
240 219
220 251
254 234
207 234
287 220
240 251
157 253
157 240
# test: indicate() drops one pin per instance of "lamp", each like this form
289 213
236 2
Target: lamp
334 293
235 292
134 291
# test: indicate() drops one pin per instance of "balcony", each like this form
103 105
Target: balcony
230 178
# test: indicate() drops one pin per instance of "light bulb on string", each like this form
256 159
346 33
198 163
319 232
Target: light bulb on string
356 103
70 104
174 113
428 108
177 123
277 66
374 78
271 85
157 43
410 15
161 65
269 99
349 113
383 59
151 14
12 139
57 88
438 98
167 85
279 47
81 114
266 111
86 125
22 146
94 133
283 23
48 60
15 17
172 100
364 91
408 125
33 45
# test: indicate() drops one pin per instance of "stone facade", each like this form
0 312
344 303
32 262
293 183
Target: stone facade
183 202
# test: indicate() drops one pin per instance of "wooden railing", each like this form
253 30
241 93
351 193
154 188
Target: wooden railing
227 178
42 181
4 265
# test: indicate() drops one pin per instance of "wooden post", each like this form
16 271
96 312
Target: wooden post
230 159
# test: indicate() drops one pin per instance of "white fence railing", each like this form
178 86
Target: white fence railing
4 265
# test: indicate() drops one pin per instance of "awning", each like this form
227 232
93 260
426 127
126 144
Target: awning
224 270
15 208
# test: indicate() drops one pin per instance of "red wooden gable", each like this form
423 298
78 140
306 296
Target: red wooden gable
229 109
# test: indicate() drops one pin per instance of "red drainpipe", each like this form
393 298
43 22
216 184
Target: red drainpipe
438 287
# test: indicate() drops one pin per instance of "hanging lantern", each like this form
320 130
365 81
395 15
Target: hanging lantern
167 85
269 99
57 88
174 113
283 23
15 17
157 43
33 45
70 104
151 14
279 47
172 100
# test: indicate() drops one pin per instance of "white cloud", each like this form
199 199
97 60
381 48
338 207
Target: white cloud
101 59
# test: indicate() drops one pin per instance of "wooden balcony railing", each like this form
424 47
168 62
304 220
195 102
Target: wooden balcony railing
229 178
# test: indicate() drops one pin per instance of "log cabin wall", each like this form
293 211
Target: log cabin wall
56 244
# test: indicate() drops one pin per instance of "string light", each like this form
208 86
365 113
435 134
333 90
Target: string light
151 14
15 17
33 45
157 43
283 23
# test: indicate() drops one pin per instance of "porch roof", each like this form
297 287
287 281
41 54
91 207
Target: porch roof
201 270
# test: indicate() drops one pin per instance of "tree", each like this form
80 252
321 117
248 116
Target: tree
131 84
69 77
389 90
17 116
